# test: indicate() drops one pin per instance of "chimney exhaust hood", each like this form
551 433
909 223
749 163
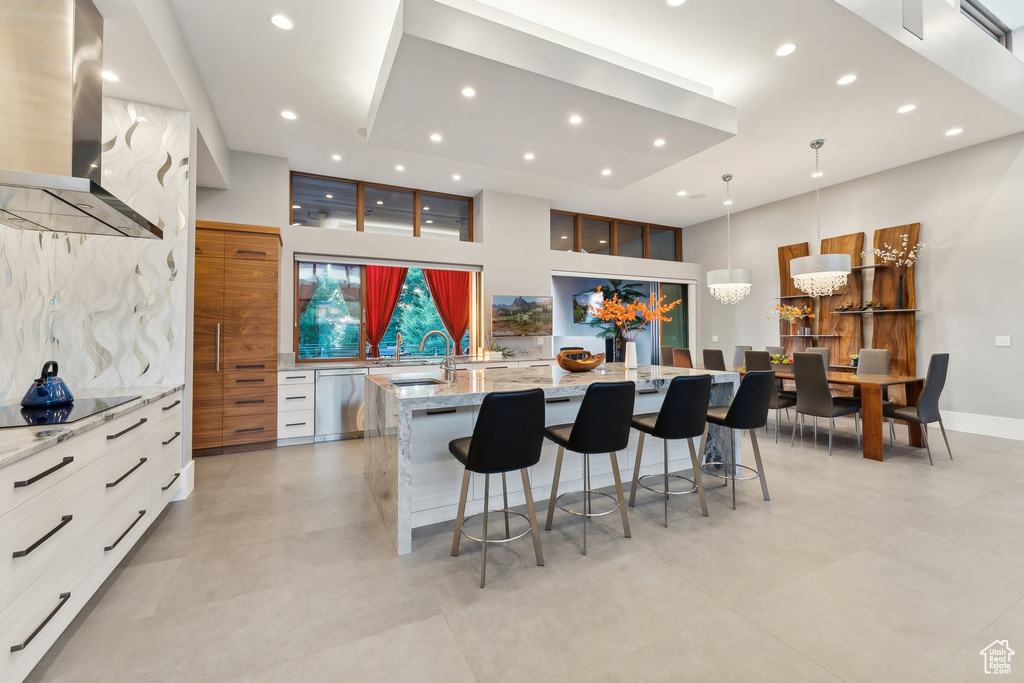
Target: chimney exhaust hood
51 121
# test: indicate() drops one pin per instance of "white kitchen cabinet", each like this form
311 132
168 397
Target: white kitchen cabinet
296 406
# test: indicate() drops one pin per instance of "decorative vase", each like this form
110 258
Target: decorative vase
630 359
793 328
899 304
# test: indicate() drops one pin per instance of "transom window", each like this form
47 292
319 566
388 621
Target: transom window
599 235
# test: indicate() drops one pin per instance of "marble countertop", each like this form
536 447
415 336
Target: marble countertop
18 443
413 363
470 385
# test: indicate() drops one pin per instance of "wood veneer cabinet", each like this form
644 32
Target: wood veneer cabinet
235 336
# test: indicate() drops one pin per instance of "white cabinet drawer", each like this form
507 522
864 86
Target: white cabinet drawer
112 433
286 377
296 397
168 406
295 424
35 474
166 461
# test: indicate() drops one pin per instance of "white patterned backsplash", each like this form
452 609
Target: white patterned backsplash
109 310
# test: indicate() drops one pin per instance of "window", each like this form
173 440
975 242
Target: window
332 318
338 204
598 235
987 20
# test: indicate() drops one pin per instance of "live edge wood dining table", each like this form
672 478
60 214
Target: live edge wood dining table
871 403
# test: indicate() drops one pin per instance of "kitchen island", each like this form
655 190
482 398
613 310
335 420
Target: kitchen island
410 418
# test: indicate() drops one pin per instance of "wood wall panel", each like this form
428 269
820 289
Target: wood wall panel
792 296
787 254
895 331
848 327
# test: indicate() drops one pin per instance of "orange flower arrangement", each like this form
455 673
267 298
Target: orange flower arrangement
791 313
625 315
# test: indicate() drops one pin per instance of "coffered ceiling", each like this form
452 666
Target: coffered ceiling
326 70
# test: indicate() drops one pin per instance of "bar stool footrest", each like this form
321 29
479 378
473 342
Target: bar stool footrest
494 540
693 485
587 514
723 475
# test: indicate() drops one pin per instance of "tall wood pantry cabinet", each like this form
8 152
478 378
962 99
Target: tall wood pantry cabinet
235 337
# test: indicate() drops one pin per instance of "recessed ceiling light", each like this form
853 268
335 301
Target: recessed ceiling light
436 137
575 119
329 196
468 92
603 241
565 237
847 79
954 131
660 142
606 171
296 206
110 76
675 3
379 202
727 202
528 156
290 115
426 208
456 177
282 22
905 108
817 174
681 193
336 157
399 167
785 50
430 221
296 223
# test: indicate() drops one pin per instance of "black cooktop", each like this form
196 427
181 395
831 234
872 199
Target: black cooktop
13 415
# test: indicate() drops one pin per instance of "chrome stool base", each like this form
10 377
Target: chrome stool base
620 501
495 540
692 489
722 475
585 507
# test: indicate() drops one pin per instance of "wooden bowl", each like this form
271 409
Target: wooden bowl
578 364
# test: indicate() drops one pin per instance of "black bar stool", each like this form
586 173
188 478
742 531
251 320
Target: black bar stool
508 436
601 426
683 415
749 411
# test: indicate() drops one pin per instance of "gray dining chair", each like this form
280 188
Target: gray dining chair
759 361
814 398
927 409
681 358
737 355
824 352
666 355
775 350
714 359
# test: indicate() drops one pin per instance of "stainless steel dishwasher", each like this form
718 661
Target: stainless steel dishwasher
339 404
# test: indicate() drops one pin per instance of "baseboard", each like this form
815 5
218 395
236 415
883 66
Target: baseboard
190 482
986 425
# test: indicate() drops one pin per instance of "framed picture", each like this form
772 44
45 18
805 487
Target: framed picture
581 304
521 316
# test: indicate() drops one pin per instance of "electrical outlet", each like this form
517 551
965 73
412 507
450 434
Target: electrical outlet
540 341
1003 340
714 337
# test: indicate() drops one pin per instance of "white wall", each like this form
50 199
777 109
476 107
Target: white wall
968 284
511 233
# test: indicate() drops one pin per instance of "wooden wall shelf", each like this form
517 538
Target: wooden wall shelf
874 310
806 336
870 267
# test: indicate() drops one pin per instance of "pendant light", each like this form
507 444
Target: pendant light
822 274
729 285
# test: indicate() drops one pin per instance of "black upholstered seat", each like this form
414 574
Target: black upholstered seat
683 415
748 411
601 426
927 409
814 398
495 448
761 361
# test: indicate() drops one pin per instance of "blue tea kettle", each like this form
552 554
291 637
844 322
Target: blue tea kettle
48 389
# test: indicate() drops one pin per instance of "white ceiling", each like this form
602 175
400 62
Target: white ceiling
326 68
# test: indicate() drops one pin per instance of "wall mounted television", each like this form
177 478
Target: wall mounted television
521 316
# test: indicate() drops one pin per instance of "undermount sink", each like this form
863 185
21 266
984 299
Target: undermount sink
419 382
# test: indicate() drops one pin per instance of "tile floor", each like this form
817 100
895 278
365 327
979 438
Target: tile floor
278 568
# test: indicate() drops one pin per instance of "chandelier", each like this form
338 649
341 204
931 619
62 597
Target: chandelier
729 285
821 274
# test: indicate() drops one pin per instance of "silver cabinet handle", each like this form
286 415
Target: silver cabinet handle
218 347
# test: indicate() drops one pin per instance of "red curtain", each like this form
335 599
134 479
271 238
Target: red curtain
383 287
450 290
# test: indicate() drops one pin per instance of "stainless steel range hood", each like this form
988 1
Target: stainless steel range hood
51 60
